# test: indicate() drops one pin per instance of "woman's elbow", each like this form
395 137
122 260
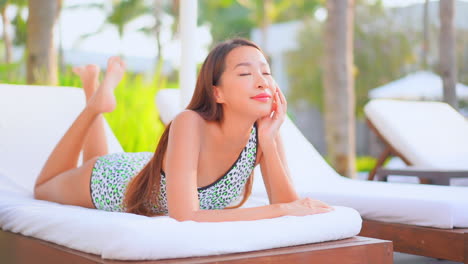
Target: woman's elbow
182 216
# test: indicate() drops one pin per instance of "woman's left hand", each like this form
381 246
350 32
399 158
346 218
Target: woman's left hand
268 126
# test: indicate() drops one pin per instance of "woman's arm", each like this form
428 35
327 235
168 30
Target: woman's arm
181 163
275 173
239 214
301 207
278 184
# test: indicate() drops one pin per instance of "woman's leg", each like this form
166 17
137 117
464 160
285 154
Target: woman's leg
95 143
59 174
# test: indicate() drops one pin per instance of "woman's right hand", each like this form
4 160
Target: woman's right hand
306 206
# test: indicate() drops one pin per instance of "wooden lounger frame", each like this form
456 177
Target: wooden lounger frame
16 248
450 244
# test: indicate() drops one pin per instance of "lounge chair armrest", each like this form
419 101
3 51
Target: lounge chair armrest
426 175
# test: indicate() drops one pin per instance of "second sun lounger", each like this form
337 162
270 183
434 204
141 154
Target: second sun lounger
430 137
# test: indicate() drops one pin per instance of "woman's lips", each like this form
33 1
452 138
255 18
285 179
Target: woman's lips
263 97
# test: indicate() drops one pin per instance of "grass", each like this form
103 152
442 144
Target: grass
135 121
363 163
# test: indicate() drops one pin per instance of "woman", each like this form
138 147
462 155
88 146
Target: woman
236 108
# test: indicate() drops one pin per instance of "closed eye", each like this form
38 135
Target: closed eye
244 74
267 73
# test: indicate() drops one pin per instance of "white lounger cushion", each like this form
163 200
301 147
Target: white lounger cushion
423 205
133 237
32 121
429 134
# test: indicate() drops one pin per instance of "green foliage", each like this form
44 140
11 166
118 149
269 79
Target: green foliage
380 55
227 19
124 12
20 30
135 121
236 18
121 13
18 22
365 163
68 78
305 67
11 73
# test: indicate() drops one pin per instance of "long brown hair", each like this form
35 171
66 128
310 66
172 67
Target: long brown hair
141 189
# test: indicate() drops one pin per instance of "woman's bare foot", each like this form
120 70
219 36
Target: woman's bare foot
103 100
89 76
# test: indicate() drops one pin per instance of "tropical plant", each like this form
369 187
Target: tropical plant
237 18
118 14
382 53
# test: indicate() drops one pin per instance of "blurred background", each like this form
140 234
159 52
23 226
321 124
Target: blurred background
42 40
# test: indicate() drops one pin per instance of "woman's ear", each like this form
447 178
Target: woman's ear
218 94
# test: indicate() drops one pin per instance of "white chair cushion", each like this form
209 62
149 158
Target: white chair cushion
168 102
32 121
429 134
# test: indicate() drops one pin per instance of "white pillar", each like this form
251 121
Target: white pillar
189 42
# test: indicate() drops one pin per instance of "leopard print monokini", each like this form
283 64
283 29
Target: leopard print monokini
112 173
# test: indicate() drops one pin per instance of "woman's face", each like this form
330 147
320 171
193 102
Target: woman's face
246 85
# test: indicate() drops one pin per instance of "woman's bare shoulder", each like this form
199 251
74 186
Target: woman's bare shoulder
189 116
188 121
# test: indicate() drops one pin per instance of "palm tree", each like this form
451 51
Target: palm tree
6 35
339 87
122 13
41 51
447 51
425 49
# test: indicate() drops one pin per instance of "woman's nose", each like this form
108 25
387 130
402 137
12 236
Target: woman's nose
262 82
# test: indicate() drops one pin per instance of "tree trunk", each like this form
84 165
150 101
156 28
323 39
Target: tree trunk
6 35
42 54
265 23
447 50
158 11
61 56
339 87
425 48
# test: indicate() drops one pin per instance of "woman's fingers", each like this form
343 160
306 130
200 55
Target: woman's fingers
283 99
320 210
280 99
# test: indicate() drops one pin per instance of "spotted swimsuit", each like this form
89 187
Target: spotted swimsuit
112 173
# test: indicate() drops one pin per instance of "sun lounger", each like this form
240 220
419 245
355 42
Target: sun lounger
430 137
427 220
33 118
